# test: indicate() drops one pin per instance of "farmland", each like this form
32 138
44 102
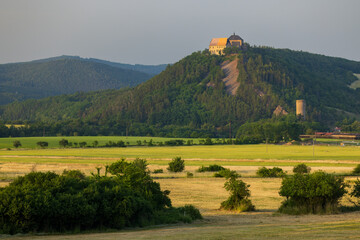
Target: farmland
203 190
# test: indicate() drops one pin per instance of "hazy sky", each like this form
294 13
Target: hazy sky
164 31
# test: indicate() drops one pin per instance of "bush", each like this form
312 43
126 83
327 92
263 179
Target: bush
226 173
189 175
176 142
42 144
17 144
356 170
302 169
315 193
176 165
158 171
270 172
239 196
63 143
41 202
211 168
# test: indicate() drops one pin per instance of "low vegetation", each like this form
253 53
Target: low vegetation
210 168
301 168
49 202
239 195
315 193
176 165
270 172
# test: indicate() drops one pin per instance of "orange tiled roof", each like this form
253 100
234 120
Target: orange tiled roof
218 42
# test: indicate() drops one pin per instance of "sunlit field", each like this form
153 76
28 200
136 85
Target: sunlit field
203 190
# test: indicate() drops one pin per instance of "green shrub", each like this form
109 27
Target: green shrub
17 143
41 202
42 144
270 172
189 175
158 170
63 143
239 196
176 142
211 168
226 173
315 193
301 168
176 165
141 163
356 170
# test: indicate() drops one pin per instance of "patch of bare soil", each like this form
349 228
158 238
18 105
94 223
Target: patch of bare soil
231 75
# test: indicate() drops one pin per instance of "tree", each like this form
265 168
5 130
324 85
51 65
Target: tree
17 143
42 144
315 193
176 165
63 143
301 168
239 196
82 144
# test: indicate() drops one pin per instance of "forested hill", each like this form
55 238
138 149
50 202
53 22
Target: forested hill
190 96
63 75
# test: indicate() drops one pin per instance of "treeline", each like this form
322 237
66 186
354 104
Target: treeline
189 98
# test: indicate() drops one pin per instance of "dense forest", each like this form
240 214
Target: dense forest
66 75
189 98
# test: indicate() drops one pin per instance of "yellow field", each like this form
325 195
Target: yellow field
206 192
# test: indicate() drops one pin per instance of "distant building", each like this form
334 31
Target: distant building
217 45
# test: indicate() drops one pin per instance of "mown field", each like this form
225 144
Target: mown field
206 192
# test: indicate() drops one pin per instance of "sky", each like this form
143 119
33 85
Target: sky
164 31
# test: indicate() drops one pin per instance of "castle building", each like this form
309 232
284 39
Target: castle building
217 45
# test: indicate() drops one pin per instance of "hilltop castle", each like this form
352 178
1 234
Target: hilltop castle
217 45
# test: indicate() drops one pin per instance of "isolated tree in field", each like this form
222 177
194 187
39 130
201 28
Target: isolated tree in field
239 196
95 143
315 193
301 168
82 144
42 144
63 143
176 165
17 143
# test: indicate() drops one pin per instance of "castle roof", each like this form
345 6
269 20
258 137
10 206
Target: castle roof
235 37
218 42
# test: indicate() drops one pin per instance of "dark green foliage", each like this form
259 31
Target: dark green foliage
115 144
301 169
356 170
17 144
314 193
141 163
42 202
208 141
189 175
158 171
42 144
210 168
270 172
176 142
63 143
191 211
176 165
227 173
239 196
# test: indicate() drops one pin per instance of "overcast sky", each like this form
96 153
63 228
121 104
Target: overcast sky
164 31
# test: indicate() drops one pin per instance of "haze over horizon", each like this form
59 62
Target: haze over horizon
159 31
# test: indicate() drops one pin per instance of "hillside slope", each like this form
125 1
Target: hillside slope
190 97
39 79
